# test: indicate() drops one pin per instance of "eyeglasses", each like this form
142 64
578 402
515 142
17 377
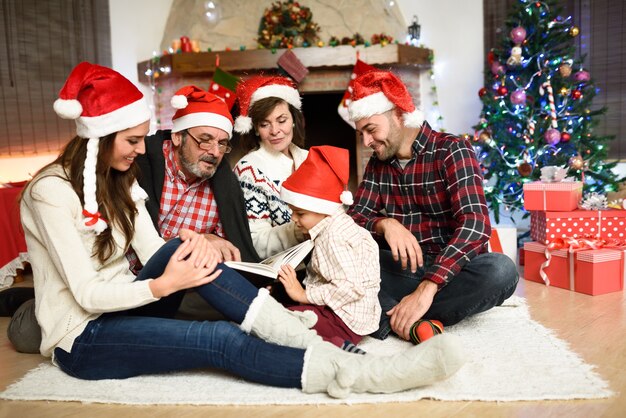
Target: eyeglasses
223 146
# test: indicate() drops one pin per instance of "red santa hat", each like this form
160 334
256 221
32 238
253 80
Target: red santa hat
376 92
101 101
259 87
196 107
359 68
320 184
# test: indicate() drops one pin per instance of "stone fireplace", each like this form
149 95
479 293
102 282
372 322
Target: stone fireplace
322 89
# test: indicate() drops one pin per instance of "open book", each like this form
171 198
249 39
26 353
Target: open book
271 265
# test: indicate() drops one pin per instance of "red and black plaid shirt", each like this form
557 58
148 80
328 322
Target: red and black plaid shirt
183 205
191 206
438 196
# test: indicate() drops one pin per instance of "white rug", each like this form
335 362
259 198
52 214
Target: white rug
510 358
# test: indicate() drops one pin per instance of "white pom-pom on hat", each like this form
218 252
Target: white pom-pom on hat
319 184
243 124
68 109
179 101
346 197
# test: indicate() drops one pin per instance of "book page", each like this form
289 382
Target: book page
292 256
271 265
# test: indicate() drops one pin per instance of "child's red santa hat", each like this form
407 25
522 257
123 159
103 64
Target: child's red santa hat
196 107
376 92
259 87
320 184
101 101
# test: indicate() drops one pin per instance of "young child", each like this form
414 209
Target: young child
343 277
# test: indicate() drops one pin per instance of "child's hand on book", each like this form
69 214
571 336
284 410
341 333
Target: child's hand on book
287 276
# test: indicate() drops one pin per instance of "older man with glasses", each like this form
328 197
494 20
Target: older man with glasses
189 184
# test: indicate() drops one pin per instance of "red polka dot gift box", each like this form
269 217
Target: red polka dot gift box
609 224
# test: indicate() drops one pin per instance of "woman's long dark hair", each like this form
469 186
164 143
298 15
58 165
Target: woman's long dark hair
113 190
259 111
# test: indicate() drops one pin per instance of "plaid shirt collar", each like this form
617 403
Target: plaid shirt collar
419 144
424 133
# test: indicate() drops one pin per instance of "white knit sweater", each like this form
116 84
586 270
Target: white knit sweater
71 286
261 174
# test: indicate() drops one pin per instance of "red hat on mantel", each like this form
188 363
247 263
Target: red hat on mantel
376 92
196 107
260 87
101 101
320 184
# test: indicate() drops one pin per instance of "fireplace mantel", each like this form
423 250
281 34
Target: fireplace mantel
319 61
329 68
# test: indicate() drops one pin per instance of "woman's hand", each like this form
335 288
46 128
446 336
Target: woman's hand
201 250
287 276
192 264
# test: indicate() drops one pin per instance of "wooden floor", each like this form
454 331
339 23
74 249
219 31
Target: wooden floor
594 326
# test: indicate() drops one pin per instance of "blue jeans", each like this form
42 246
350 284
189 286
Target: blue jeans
484 282
148 340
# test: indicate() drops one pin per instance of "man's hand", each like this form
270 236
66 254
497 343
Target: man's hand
412 308
402 242
229 251
287 276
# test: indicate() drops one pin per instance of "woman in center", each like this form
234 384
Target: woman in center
271 125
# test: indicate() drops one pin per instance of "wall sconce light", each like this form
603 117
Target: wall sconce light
414 30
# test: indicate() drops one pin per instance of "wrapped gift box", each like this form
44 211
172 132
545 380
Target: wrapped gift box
608 224
599 271
557 271
504 240
561 196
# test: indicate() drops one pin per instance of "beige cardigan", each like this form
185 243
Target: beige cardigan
71 287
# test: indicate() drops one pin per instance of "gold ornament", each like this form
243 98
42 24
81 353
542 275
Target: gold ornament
576 162
484 136
565 70
574 31
564 91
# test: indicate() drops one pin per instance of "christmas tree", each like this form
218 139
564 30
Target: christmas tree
537 109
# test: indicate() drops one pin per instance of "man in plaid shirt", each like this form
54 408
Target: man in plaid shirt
422 199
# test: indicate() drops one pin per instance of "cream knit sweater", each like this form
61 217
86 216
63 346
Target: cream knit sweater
261 174
71 287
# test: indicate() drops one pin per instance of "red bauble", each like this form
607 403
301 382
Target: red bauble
482 92
565 137
577 94
502 91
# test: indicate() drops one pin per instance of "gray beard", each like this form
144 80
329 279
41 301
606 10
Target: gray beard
194 169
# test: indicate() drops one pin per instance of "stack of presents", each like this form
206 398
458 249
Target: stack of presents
577 244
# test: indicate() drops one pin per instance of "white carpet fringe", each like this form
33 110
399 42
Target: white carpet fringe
510 358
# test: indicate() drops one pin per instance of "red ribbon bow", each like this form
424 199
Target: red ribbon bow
93 218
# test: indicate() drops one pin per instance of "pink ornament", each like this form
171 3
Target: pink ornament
518 34
497 68
518 97
582 76
552 136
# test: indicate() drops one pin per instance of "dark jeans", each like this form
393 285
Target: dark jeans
486 281
125 344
